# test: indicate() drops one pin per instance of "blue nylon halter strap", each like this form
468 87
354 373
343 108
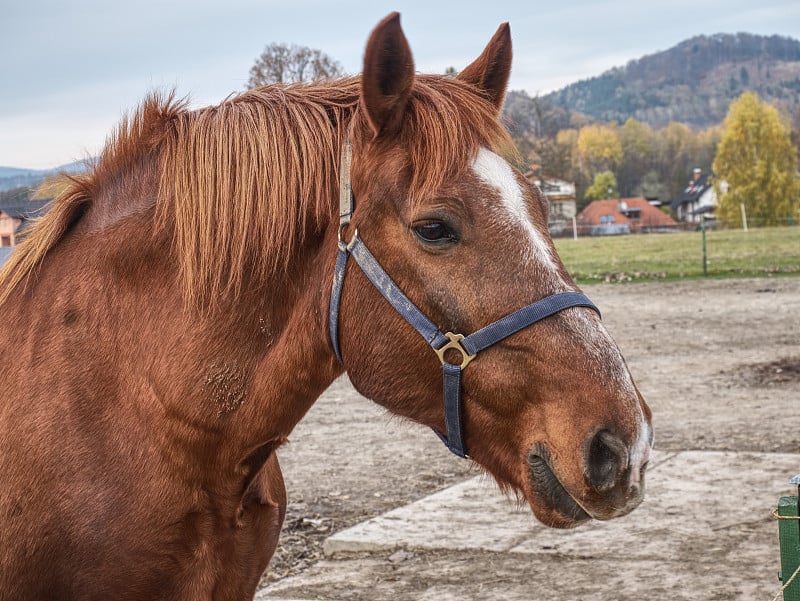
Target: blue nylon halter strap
468 346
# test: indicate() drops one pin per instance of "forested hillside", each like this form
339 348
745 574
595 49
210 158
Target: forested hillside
640 130
692 83
13 177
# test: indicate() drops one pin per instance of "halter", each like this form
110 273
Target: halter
469 346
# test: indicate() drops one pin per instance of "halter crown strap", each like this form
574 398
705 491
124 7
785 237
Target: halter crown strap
345 189
346 205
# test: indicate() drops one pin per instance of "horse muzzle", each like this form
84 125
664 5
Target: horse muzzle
612 481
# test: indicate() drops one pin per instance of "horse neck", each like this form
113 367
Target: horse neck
261 358
298 363
222 382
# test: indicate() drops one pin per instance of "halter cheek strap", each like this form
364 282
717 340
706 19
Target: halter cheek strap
469 346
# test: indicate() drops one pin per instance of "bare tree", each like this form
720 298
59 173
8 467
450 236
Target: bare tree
285 63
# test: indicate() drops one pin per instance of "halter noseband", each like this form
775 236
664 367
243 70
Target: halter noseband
469 346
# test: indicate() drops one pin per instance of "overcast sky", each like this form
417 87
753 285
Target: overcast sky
71 69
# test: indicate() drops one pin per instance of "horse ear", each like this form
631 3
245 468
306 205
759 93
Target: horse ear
489 73
388 76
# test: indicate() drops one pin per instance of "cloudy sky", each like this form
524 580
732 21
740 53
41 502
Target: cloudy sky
70 69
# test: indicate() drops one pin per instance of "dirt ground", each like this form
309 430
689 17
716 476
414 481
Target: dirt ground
717 360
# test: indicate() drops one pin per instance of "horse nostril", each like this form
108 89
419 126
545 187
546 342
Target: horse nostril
607 457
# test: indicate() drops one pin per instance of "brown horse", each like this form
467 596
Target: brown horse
167 326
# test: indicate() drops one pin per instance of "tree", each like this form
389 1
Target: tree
679 149
758 165
638 154
567 143
604 186
18 195
518 113
651 186
283 63
674 150
533 116
598 148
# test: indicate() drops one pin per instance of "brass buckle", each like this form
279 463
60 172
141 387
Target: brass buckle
455 343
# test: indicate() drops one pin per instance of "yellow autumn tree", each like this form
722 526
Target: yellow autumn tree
598 148
756 166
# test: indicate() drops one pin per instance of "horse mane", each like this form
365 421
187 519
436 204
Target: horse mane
241 183
137 134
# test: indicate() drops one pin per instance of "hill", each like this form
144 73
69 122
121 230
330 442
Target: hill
15 177
692 83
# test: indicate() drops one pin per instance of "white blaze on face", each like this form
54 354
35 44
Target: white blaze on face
492 170
641 450
608 364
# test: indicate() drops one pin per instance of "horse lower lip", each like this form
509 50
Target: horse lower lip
547 485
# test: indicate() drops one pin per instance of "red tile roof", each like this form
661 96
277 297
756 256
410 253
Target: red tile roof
649 216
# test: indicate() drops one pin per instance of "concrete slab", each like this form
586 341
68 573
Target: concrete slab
704 532
719 501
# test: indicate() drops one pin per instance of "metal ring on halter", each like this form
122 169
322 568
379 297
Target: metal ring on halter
341 230
454 344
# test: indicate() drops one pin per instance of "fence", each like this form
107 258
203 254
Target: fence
565 229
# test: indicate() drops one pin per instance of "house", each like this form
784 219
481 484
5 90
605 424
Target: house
16 218
698 199
7 230
623 216
560 195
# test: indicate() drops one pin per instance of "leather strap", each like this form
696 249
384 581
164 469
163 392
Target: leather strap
346 203
454 439
522 318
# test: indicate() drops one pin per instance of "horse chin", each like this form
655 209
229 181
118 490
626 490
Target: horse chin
550 501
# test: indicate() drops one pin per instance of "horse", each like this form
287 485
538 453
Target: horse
183 304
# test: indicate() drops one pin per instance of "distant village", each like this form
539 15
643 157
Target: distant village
608 217
639 215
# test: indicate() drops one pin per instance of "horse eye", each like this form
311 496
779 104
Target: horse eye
434 231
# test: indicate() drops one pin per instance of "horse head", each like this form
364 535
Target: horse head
550 410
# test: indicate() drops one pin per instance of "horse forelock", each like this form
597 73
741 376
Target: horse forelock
242 183
446 123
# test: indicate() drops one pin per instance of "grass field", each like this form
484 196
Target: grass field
731 253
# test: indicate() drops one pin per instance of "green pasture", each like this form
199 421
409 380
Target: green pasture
731 253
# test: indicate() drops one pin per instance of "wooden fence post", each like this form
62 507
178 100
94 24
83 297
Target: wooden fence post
789 534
